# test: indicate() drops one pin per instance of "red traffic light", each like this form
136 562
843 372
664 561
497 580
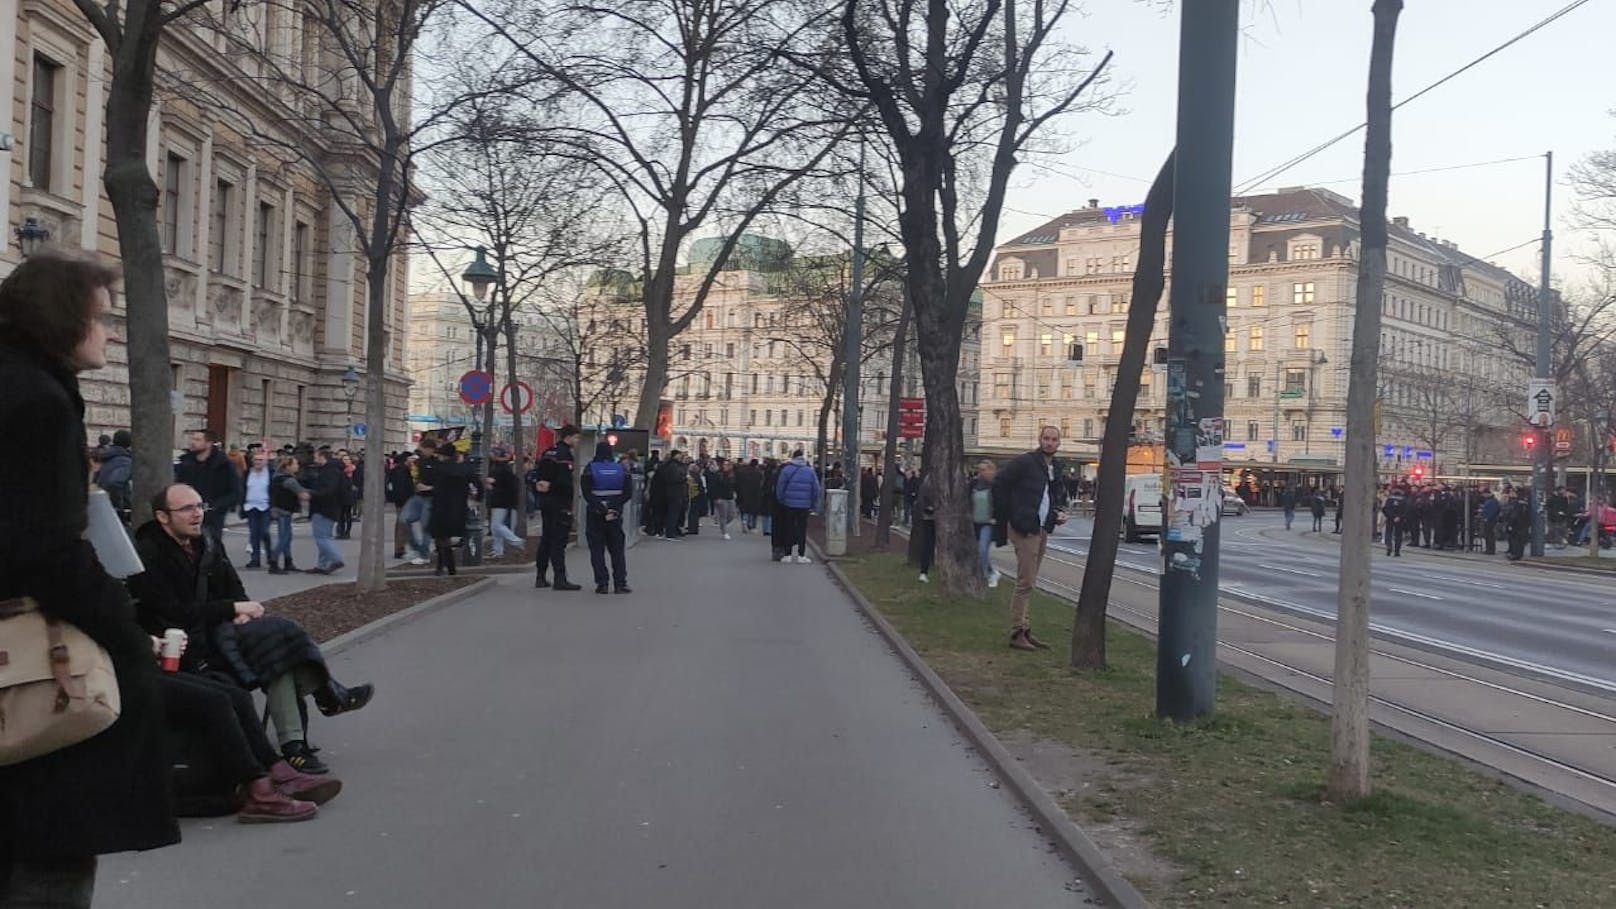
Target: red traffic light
1417 472
1529 440
611 439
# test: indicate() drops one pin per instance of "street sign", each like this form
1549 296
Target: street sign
1540 402
476 387
359 430
911 418
520 402
1563 437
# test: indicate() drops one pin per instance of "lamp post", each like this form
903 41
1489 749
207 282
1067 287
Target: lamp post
479 275
31 235
350 387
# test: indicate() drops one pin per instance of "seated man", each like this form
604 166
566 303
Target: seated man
251 778
190 584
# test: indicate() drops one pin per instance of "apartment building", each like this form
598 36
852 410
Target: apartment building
748 377
1056 301
266 287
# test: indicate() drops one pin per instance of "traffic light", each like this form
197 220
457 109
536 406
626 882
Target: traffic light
1417 472
1529 441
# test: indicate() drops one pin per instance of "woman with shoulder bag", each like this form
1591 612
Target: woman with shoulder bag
108 793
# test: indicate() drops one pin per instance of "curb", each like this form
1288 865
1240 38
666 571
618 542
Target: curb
1096 869
363 633
1544 564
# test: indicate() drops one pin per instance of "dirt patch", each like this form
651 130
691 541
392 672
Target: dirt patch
1085 783
333 609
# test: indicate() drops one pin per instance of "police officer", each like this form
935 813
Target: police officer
554 486
606 486
1395 511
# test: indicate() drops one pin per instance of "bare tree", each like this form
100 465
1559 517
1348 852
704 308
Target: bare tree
961 92
1348 776
687 108
1088 632
133 30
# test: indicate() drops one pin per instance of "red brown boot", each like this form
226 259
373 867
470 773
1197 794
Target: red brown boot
1034 641
267 805
1018 640
292 784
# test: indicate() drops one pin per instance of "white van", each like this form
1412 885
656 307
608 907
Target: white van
1141 507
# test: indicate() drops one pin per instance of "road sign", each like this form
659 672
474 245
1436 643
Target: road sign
1540 402
520 402
476 387
911 418
359 430
1563 437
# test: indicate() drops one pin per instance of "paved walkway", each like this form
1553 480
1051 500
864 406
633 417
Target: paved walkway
730 735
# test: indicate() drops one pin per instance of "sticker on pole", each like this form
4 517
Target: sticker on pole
516 397
477 387
1540 402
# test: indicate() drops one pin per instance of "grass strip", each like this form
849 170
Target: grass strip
1231 808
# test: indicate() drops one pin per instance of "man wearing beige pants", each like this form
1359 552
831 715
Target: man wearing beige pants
1029 502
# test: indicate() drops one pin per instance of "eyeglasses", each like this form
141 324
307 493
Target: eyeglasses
193 508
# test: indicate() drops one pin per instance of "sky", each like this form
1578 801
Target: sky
1302 76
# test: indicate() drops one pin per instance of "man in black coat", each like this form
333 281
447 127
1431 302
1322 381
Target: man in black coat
555 487
205 469
749 494
1029 502
400 488
190 584
504 495
673 480
109 793
325 509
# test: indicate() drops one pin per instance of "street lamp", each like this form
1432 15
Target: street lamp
31 236
480 275
350 387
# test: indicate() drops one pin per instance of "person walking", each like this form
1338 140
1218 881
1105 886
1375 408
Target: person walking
926 524
696 495
1029 502
798 492
555 488
286 498
1287 502
255 506
452 485
1316 506
206 469
349 495
419 508
110 792
503 492
749 494
982 519
400 488
606 486
721 490
325 507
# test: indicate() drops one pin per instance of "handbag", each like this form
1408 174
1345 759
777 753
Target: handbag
57 685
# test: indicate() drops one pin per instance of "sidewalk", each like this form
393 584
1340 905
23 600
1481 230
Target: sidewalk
732 734
1559 741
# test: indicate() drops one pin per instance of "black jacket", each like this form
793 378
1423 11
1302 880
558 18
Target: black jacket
215 479
503 493
400 485
109 793
199 595
1018 491
556 466
673 479
116 464
720 486
325 498
749 489
284 490
452 484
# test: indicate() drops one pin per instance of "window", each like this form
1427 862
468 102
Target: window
1117 336
42 123
684 351
1001 385
723 414
263 237
1302 294
799 418
1119 303
1092 265
729 351
771 349
1094 305
1253 386
1259 295
1298 432
220 241
729 385
1046 343
1071 306
1305 251
1048 306
1253 431
1088 427
768 385
173 170
754 383
1255 341
1004 426
1091 342
710 322
684 387
1066 427
1231 297
1228 342
1008 339
751 416
1010 271
1304 335
768 418
1119 264
782 416
1295 381
1074 266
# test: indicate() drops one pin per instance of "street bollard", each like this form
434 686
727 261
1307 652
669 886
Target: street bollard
836 522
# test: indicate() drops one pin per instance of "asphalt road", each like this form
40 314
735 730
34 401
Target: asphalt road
1551 624
732 734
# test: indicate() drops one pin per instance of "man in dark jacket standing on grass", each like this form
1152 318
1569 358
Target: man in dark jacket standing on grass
1029 502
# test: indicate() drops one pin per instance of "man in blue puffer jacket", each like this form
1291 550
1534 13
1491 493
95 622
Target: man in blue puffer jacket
797 490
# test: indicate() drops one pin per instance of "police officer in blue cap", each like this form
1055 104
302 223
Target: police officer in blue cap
607 485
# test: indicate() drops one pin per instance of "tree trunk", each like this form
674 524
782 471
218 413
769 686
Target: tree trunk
1348 777
374 534
511 378
133 194
1088 632
889 450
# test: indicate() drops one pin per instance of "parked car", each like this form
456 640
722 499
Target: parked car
1142 507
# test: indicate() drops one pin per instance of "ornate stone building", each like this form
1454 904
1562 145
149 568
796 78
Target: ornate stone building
1056 301
266 286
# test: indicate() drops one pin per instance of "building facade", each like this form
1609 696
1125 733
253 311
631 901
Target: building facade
748 377
266 286
1056 301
